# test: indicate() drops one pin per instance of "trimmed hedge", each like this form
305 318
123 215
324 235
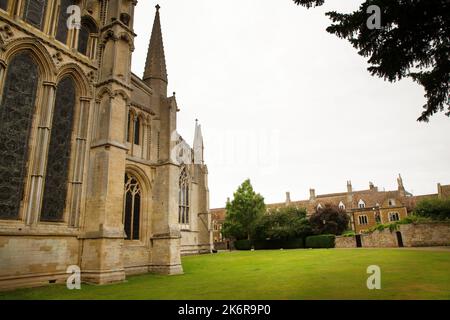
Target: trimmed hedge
322 241
243 244
269 244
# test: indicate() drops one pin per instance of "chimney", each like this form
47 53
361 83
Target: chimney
401 187
312 194
288 198
371 186
439 187
349 187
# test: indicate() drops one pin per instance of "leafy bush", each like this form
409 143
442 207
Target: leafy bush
436 209
349 233
283 223
243 245
329 220
281 244
269 244
321 241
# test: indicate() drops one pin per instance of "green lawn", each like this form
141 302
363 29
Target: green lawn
283 274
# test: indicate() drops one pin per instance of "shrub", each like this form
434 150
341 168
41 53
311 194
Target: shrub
283 224
322 241
349 233
436 209
243 244
269 244
329 220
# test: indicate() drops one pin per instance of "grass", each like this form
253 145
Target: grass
287 274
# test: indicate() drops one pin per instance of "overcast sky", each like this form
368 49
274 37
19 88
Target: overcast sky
288 105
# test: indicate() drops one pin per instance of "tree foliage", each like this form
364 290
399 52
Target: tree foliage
284 223
436 209
243 213
329 220
413 41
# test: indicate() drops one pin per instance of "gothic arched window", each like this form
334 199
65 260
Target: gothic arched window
56 180
132 208
183 199
137 131
61 29
85 43
34 12
16 114
4 4
129 126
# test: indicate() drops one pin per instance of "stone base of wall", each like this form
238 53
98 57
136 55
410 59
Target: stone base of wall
195 249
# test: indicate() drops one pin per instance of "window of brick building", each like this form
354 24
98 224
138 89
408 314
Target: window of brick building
394 216
363 220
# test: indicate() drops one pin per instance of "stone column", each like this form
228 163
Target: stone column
80 156
40 154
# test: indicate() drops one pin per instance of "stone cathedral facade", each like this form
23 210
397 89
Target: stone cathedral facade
91 169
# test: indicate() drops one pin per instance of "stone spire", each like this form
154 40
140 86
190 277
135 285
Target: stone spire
198 144
155 73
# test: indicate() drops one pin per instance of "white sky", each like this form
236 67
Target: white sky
288 105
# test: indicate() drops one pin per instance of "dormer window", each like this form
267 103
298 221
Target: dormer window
391 202
361 204
341 205
319 207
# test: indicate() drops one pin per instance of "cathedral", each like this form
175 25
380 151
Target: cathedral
92 170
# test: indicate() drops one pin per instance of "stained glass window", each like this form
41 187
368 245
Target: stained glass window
16 113
87 28
34 12
137 131
183 199
4 4
83 39
56 180
132 208
62 30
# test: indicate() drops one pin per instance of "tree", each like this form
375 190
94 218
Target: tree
283 223
329 220
243 213
413 41
436 209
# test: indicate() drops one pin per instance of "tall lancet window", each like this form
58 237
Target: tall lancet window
86 38
183 199
61 29
16 114
132 208
34 12
56 179
137 131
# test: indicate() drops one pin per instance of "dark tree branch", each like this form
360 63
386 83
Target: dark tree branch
413 41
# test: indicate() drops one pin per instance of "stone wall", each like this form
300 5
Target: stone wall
345 242
379 239
27 261
427 234
413 235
